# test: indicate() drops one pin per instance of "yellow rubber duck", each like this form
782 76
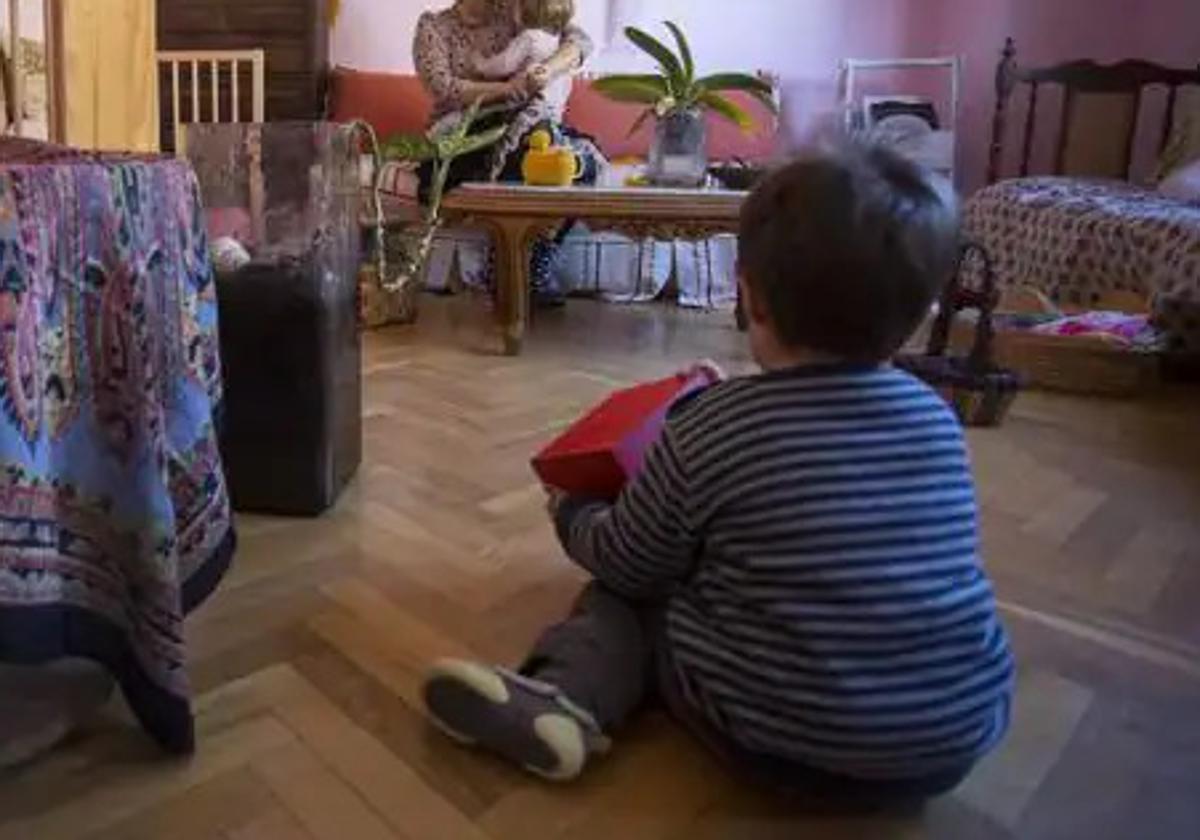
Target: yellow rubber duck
547 165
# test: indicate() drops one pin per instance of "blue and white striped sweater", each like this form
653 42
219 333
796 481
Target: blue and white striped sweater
814 534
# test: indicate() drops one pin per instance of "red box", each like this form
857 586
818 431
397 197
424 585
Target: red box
597 456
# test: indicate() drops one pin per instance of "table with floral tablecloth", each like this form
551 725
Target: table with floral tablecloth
114 516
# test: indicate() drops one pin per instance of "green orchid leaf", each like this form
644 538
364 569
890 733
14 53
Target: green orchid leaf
409 147
447 147
490 110
463 128
473 109
737 81
635 79
460 141
685 53
723 107
642 90
475 142
759 88
672 69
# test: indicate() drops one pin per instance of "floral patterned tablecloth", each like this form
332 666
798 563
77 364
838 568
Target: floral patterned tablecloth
114 517
1076 240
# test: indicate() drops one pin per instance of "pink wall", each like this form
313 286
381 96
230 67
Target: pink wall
805 40
1049 32
802 40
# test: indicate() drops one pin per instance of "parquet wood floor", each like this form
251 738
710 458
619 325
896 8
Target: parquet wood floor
306 663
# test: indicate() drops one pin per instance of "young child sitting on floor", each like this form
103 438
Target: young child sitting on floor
543 23
796 572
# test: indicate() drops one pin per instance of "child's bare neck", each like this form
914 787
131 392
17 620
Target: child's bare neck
787 358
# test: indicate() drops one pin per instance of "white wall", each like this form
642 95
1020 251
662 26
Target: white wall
377 34
798 38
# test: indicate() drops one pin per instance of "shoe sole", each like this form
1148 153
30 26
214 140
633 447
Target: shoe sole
469 703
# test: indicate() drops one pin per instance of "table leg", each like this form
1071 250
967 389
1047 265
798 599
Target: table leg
743 323
512 237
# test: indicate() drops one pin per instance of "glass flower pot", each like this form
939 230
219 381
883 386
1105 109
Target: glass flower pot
679 154
291 349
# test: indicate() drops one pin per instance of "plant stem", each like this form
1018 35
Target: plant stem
376 200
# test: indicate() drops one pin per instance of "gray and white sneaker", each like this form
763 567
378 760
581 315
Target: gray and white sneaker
530 723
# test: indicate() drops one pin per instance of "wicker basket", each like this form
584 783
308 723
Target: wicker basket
979 390
395 300
1077 364
382 308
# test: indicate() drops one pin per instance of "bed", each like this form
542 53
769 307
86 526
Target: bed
114 517
1088 230
1080 241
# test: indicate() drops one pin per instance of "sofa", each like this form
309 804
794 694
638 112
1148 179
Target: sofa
607 264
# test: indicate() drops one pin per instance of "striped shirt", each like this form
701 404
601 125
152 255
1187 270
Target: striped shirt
814 535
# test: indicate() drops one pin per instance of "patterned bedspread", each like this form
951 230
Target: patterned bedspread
1076 240
114 518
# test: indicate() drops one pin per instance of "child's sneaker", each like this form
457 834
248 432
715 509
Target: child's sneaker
528 722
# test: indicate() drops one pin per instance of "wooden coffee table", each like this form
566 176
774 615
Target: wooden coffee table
516 215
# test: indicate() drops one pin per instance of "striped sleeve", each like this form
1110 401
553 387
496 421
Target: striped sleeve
645 544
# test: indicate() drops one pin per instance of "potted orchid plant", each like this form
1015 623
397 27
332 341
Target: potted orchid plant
677 98
442 151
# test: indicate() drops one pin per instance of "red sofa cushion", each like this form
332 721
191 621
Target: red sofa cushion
392 103
395 103
608 122
726 141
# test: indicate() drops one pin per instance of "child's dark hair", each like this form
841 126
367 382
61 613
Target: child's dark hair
846 252
551 15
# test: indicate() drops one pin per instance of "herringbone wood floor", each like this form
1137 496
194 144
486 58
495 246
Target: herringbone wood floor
306 663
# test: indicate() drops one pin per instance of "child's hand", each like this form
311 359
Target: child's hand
554 500
706 367
537 78
517 90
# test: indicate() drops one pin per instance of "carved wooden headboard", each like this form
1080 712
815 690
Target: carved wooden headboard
1111 95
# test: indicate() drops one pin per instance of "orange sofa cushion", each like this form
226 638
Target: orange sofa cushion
392 103
608 122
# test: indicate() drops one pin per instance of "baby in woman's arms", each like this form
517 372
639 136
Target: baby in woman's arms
543 23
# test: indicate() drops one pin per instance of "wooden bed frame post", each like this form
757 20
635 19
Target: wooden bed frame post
1006 82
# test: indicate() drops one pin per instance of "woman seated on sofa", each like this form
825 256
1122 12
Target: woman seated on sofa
446 49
